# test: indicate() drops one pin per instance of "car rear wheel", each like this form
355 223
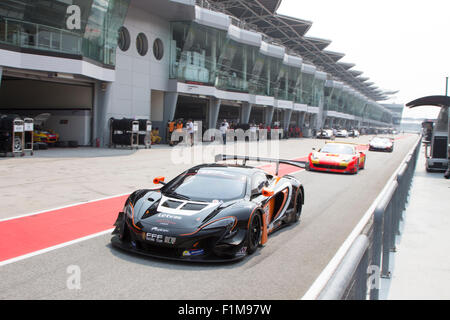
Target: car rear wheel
356 168
298 207
307 167
254 233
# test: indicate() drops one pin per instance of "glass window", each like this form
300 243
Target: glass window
234 66
318 92
294 84
337 148
222 185
42 25
194 52
258 182
142 44
124 39
158 49
307 88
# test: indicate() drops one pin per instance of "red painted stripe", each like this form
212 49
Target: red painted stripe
284 169
36 232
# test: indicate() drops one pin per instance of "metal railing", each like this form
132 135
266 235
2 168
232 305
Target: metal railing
356 275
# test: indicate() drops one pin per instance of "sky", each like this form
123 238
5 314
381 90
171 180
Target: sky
399 44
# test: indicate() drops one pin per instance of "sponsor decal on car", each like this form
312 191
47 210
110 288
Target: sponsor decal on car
159 238
165 222
169 216
156 229
195 252
243 250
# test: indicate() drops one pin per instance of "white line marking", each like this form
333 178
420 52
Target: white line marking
62 245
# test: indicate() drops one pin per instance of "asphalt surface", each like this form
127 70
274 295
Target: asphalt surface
283 269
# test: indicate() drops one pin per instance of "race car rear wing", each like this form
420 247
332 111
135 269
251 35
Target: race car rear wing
223 157
343 142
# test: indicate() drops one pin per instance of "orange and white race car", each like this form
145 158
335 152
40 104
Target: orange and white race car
337 157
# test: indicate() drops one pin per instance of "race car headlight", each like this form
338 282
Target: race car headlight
314 157
128 210
227 223
346 160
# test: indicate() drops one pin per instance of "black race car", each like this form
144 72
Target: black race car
211 212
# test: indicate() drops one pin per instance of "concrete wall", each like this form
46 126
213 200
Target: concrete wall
72 125
136 76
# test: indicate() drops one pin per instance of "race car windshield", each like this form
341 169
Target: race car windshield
337 148
378 140
209 185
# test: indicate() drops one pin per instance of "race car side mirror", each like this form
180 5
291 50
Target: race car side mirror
159 180
267 192
314 149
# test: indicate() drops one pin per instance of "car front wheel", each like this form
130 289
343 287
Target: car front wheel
254 233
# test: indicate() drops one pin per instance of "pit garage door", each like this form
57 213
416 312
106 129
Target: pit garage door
189 107
69 104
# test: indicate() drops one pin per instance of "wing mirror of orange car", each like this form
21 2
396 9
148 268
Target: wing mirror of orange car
159 180
266 192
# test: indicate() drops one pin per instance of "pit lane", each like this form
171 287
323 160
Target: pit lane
283 269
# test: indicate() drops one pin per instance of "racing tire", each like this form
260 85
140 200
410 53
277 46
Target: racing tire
254 233
356 168
299 206
307 167
17 144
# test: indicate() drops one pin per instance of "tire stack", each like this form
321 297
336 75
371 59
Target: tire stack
9 142
124 132
145 130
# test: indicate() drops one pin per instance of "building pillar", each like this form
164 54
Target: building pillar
268 111
101 124
320 117
170 106
301 119
331 123
213 114
287 114
245 112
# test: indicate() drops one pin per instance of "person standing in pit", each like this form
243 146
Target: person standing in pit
190 130
223 129
170 128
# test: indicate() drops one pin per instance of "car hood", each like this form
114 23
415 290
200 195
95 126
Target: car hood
333 157
157 211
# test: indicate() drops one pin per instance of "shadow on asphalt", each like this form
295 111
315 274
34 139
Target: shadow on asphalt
156 262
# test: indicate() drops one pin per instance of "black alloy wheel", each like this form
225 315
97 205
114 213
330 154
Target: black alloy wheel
254 233
298 207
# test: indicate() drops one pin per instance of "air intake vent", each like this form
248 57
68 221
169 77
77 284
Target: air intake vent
151 210
172 204
194 206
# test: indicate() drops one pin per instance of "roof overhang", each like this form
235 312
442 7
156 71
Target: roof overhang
261 16
438 101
